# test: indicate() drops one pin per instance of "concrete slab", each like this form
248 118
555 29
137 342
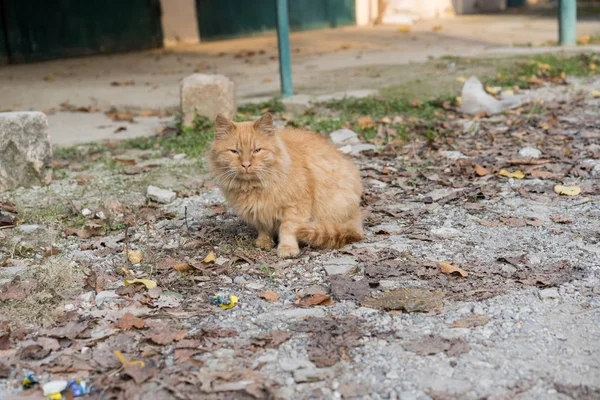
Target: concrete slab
69 128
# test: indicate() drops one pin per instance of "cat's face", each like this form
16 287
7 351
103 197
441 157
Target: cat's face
244 151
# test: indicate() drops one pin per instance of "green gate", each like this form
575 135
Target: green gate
222 19
42 29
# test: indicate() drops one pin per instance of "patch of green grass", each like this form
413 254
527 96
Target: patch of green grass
53 214
547 67
268 272
382 106
192 140
273 106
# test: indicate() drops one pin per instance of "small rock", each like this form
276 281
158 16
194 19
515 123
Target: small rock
86 212
343 137
207 95
160 195
509 269
549 293
69 307
377 183
359 148
312 375
221 260
339 266
339 269
25 151
239 280
225 279
452 155
530 152
107 296
439 194
293 364
101 215
594 164
255 285
179 156
28 228
346 149
446 233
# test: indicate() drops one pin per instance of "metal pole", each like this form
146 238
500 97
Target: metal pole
567 22
283 42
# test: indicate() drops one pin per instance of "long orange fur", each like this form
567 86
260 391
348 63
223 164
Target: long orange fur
292 184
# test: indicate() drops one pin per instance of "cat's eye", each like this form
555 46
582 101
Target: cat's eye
234 151
257 151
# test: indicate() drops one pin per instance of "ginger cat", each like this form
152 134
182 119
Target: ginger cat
292 184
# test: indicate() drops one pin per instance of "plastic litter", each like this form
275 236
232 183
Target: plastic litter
224 301
29 382
78 387
57 390
475 99
53 388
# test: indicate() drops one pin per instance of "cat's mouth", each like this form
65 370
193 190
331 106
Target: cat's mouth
246 176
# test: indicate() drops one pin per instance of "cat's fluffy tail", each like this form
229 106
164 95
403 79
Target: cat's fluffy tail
329 235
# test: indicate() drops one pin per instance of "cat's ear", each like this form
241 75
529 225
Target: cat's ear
223 126
265 124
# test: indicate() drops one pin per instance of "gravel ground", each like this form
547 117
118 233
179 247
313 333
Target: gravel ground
523 324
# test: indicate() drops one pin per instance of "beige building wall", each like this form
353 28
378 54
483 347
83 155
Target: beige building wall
401 11
179 22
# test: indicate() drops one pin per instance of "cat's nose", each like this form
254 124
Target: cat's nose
246 165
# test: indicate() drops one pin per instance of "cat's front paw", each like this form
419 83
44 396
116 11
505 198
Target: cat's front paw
265 243
287 251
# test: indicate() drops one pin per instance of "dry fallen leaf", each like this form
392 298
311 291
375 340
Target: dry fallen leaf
269 295
182 267
8 206
471 321
584 39
561 220
518 174
125 161
129 321
407 299
365 122
437 28
452 269
543 66
89 229
404 28
150 284
596 93
461 79
567 190
316 300
481 171
540 174
166 336
210 258
135 256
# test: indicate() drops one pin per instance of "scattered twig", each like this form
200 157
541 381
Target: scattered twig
590 200
186 222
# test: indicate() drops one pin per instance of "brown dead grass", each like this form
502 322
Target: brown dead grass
53 284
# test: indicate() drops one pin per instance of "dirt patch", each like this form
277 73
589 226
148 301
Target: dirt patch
331 338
